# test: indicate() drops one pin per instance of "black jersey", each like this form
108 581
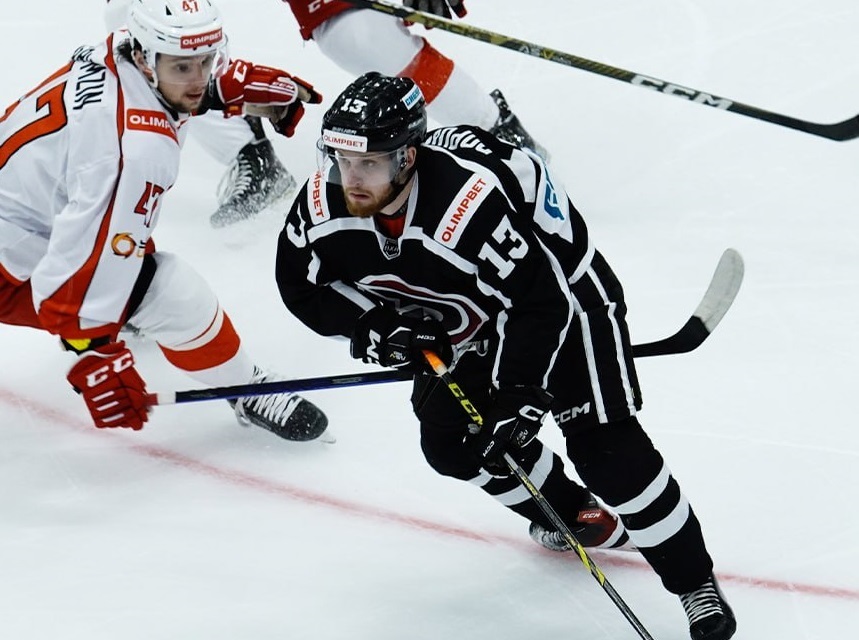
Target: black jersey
491 246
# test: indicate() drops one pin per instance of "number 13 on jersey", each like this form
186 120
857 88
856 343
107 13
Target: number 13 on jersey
505 247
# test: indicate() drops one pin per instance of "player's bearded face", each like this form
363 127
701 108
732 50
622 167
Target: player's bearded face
366 180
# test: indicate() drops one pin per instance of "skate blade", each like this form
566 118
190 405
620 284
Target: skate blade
327 437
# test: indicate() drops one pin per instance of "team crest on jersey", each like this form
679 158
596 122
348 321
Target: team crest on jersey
123 245
391 248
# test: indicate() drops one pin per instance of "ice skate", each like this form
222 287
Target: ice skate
710 617
284 414
255 180
596 527
509 129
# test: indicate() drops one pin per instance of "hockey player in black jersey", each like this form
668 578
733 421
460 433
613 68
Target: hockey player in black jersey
462 244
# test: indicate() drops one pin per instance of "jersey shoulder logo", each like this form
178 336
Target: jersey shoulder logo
550 201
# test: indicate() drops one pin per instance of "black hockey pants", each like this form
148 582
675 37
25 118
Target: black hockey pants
596 395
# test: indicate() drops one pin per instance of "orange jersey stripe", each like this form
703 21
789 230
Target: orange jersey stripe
60 312
16 302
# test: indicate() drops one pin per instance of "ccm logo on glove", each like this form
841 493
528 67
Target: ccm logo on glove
113 391
102 374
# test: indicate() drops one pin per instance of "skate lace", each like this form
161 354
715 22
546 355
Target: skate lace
552 540
236 180
556 540
702 602
275 408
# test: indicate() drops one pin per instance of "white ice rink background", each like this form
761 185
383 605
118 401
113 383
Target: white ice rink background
196 528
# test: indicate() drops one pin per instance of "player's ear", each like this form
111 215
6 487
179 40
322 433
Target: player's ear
411 156
140 61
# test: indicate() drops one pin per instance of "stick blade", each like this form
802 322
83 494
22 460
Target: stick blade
840 131
722 291
720 295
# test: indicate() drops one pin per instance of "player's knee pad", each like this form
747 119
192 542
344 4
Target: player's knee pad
344 37
446 453
614 459
178 304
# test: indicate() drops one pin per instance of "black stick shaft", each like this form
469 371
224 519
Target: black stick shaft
279 386
840 131
716 302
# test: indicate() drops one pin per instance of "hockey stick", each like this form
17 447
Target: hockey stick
845 130
441 370
717 300
278 386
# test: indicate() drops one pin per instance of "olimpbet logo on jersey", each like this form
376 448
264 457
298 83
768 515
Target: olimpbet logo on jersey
458 214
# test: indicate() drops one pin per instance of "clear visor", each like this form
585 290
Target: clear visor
189 71
357 169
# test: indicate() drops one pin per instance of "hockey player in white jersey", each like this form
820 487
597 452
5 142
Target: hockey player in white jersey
86 159
357 40
461 244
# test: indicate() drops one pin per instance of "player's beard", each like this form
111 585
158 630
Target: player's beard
185 103
369 205
181 97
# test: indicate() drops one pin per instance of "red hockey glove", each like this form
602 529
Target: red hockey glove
258 90
512 421
438 7
383 336
114 392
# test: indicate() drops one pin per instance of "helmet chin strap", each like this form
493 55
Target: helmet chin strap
397 186
150 58
150 61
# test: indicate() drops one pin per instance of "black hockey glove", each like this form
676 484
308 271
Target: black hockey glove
438 7
383 336
513 420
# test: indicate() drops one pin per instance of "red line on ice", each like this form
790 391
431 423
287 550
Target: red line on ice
263 485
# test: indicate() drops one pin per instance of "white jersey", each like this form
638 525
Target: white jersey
84 161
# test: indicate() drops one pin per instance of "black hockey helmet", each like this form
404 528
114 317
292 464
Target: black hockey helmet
375 113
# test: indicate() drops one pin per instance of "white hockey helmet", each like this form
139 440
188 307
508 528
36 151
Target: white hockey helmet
176 27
